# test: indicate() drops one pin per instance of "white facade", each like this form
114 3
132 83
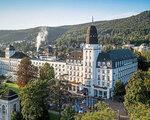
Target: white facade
10 51
92 73
7 107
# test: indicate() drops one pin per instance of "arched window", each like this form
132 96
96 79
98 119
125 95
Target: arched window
3 109
15 107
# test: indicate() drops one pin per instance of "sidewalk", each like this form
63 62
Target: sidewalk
119 108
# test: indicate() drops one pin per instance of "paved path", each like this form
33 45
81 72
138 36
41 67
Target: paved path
119 108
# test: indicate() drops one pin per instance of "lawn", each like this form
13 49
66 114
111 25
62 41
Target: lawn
53 115
12 86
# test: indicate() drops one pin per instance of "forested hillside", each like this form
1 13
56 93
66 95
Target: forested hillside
134 29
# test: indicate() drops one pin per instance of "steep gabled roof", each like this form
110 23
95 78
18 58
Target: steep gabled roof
116 55
11 47
19 55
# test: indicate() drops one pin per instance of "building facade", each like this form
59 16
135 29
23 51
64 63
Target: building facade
9 102
91 70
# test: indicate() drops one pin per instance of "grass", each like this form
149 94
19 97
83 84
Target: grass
12 86
53 115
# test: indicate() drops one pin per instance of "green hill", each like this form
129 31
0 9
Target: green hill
132 29
135 28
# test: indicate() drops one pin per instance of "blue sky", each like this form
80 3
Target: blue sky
20 14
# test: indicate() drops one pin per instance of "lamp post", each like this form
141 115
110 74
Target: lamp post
118 114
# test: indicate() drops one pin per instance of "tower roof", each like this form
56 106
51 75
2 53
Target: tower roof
10 47
92 37
9 95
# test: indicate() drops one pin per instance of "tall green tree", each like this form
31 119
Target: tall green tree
137 98
16 116
139 111
46 72
119 90
135 90
26 72
68 113
59 93
34 100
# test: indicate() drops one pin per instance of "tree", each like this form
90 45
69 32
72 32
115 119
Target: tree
16 116
119 89
59 93
139 111
26 72
34 101
137 98
135 90
47 72
68 113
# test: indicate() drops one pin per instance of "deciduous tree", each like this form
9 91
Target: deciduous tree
34 100
26 72
68 113
46 72
119 90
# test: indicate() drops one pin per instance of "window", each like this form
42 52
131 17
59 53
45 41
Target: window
81 74
15 107
108 84
103 77
89 70
69 88
108 71
105 94
89 63
74 88
103 83
95 93
108 78
3 109
98 77
100 93
103 71
85 75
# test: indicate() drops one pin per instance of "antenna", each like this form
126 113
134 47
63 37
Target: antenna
92 20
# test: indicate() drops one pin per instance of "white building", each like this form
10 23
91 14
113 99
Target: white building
142 47
91 70
9 102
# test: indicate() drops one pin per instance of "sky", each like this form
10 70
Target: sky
22 14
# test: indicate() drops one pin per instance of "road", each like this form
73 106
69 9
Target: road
119 108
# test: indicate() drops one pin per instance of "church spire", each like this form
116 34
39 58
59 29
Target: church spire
92 20
92 36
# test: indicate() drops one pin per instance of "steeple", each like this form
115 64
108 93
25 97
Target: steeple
91 36
92 20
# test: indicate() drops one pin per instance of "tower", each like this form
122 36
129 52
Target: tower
91 51
9 102
10 51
